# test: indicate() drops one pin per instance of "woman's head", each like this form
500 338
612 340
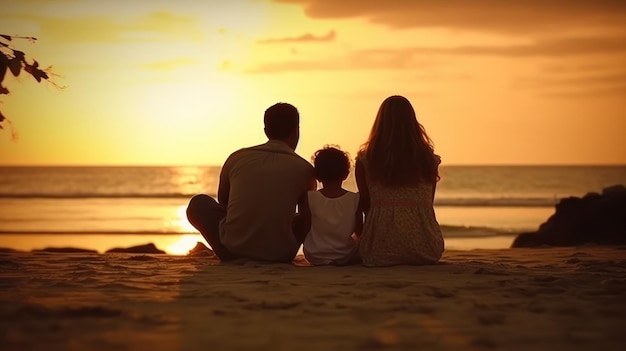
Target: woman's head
331 164
398 150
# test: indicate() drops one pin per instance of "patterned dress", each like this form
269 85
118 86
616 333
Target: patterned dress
400 226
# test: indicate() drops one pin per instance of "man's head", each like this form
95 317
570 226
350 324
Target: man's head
282 122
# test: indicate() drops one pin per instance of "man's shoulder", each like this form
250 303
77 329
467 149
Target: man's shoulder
241 152
254 151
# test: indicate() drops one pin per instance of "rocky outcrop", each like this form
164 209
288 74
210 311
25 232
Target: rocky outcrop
65 250
594 218
146 249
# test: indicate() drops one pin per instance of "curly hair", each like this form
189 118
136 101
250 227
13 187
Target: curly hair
331 163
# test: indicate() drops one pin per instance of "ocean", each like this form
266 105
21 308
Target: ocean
104 207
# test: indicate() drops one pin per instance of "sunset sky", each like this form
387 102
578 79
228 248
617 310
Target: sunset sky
186 82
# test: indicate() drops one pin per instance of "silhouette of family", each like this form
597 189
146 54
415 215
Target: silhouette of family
268 204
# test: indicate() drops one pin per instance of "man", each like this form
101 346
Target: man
259 189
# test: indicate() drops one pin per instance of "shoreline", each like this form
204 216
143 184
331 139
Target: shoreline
180 244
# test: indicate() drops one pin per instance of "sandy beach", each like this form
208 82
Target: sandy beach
508 299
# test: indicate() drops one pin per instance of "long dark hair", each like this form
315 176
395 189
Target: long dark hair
398 151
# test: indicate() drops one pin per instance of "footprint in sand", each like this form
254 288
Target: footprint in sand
483 343
439 292
490 272
614 286
272 305
491 318
392 284
545 278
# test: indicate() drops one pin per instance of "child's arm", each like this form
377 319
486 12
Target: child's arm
304 212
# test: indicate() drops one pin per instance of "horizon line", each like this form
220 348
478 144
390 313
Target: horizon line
112 165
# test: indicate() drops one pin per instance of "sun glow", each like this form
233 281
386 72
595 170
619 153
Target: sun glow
182 221
184 244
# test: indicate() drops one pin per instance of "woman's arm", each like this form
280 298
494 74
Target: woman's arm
358 221
361 183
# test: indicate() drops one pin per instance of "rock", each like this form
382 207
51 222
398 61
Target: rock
594 218
65 250
147 249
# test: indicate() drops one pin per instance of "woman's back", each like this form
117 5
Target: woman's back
400 226
396 173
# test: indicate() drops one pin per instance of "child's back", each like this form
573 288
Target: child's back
330 240
336 218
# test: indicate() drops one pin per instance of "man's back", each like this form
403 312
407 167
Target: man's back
266 182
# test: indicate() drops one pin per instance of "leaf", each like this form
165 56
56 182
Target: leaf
15 65
19 55
3 67
35 72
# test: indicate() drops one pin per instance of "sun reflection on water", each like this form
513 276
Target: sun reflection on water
191 180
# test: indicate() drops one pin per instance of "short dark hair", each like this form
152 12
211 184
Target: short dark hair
280 120
331 164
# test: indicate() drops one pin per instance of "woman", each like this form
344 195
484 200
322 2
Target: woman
397 172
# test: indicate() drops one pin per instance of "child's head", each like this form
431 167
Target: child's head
331 164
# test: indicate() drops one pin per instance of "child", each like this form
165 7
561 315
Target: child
336 219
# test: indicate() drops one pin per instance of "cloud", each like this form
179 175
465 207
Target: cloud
357 60
587 92
167 25
418 56
556 47
304 38
606 80
529 16
170 65
156 26
603 79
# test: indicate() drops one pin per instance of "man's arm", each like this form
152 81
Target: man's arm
304 211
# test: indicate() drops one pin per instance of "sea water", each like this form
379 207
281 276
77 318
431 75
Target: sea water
104 207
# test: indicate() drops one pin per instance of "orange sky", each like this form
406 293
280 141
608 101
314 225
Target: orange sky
186 82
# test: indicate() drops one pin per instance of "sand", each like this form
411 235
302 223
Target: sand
509 299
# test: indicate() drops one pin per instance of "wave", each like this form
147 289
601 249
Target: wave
454 231
448 231
465 201
97 196
94 232
497 202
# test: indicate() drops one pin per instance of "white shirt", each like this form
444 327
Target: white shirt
332 224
